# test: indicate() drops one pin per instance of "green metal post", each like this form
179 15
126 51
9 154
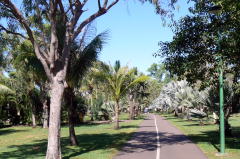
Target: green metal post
216 10
222 131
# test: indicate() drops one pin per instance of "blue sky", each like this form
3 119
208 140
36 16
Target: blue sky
135 31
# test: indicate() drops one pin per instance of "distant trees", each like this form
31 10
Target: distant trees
6 96
159 72
20 106
187 101
32 72
160 78
118 82
194 53
136 94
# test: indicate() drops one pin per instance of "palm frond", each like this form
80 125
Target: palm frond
138 80
27 60
82 61
4 90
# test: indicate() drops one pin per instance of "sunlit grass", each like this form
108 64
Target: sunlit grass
96 141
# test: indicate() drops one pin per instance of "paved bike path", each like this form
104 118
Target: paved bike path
172 144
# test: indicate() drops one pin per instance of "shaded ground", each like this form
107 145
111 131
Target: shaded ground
173 144
97 141
143 143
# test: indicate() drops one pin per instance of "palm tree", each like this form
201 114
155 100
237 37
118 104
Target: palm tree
142 96
118 82
26 62
6 96
5 89
94 91
178 95
132 95
135 94
81 60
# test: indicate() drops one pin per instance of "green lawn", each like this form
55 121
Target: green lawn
125 116
207 136
97 141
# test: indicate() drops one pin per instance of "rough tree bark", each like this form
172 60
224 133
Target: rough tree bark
131 107
45 103
45 114
188 117
34 116
137 107
116 115
176 113
54 147
91 102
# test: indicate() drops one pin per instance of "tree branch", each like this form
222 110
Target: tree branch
42 35
93 17
99 5
70 6
77 12
61 6
84 2
54 40
24 22
112 4
86 21
45 45
11 32
105 3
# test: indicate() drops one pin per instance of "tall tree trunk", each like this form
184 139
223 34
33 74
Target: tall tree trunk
45 103
117 115
215 118
188 114
34 120
45 114
131 107
228 130
69 97
34 116
176 113
137 105
91 100
54 134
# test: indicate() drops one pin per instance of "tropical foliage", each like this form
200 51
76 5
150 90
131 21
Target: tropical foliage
118 82
50 73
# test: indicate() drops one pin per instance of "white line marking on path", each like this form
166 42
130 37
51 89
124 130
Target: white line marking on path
158 142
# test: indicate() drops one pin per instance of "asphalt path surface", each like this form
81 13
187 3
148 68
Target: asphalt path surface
156 138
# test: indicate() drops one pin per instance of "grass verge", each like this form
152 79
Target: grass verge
96 141
207 136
